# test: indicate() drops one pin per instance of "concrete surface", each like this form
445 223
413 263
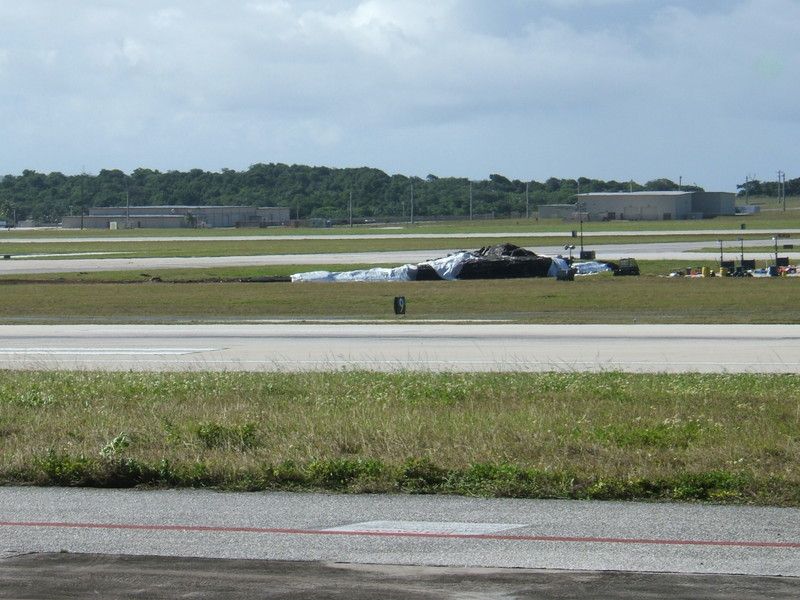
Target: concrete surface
398 345
80 576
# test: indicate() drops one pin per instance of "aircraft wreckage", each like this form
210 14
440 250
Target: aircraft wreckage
501 261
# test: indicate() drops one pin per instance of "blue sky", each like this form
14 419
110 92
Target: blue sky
609 89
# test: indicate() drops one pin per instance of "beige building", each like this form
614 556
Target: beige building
177 216
654 206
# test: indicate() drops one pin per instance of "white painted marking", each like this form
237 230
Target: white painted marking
103 351
426 527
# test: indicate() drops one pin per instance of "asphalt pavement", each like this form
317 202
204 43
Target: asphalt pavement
194 543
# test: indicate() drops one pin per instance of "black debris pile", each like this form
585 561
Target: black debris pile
426 272
504 261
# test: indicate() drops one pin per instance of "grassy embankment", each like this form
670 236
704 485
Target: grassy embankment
596 299
724 438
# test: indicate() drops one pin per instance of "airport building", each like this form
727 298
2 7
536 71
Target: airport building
175 216
654 206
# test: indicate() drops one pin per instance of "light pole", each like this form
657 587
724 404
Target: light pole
782 188
720 252
775 239
580 217
741 249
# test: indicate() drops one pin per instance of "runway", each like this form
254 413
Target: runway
685 251
405 530
281 346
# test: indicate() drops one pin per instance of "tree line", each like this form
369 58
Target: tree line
754 187
310 192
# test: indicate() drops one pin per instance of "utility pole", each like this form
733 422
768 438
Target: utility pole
412 201
783 190
470 200
127 206
83 179
350 209
746 189
527 203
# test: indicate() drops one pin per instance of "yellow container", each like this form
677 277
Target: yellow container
704 272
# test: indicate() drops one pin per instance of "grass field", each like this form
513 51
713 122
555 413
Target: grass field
726 438
595 299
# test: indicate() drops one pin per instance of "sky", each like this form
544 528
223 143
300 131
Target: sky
705 91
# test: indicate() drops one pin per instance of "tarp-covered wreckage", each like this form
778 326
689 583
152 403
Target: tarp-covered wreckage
502 261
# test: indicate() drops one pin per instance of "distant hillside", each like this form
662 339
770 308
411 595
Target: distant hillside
308 191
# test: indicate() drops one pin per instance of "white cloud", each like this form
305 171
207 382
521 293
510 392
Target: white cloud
263 78
167 17
585 3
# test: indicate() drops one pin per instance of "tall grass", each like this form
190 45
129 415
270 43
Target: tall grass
723 438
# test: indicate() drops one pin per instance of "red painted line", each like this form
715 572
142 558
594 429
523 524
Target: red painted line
402 534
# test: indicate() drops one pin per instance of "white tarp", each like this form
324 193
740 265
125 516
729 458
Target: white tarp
447 267
590 268
558 264
404 273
